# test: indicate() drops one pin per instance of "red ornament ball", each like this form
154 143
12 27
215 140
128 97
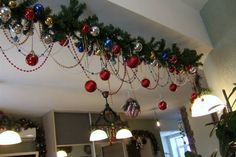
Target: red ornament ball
31 59
116 49
145 83
173 87
85 28
64 42
194 96
171 69
29 14
162 105
133 62
90 86
104 75
173 59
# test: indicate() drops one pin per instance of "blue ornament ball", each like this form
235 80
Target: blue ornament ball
80 47
108 43
165 56
38 9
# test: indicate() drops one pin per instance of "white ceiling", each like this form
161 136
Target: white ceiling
196 4
55 88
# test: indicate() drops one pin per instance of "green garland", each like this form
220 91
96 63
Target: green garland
9 123
67 23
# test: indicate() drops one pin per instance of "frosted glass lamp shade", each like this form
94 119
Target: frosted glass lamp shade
123 133
206 104
9 137
61 153
98 135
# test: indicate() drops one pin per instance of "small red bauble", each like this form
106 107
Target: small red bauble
145 83
171 69
90 86
115 49
31 59
188 67
173 59
133 62
194 96
162 105
29 14
64 42
173 87
85 28
104 75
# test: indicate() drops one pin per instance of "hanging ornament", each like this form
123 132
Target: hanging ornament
145 83
38 9
64 42
115 49
31 59
49 21
173 59
95 31
133 61
165 56
90 86
85 28
29 14
17 28
108 43
104 75
192 70
15 39
80 47
5 14
98 52
162 105
138 47
171 69
131 108
48 39
12 4
173 87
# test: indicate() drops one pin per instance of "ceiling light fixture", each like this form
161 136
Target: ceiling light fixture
112 123
206 104
9 137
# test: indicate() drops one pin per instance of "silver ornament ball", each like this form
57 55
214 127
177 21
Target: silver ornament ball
5 14
17 28
193 70
138 47
95 31
48 39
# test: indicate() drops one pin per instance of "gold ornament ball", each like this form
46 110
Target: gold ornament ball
12 4
49 21
98 52
153 56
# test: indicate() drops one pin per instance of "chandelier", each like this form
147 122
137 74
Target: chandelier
109 125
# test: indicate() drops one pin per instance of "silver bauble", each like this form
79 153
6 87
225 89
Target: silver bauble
154 63
95 31
5 14
17 28
48 39
138 47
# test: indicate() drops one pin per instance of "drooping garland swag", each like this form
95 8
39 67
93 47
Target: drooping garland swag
17 125
67 23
